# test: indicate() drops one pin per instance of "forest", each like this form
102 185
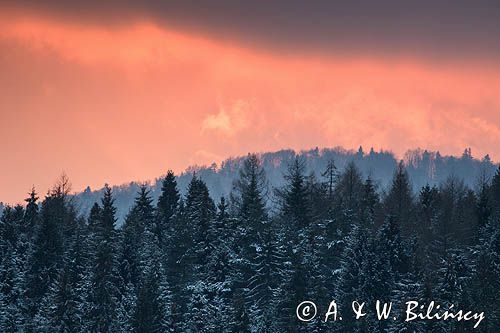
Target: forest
243 262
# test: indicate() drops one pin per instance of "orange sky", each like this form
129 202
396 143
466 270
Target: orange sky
127 102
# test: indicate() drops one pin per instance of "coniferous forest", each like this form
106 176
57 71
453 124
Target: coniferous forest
243 263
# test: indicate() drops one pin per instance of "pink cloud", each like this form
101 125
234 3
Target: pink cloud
111 104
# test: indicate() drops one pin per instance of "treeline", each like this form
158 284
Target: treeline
189 264
423 167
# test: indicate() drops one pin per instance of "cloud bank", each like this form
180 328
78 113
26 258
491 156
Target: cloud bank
437 29
118 101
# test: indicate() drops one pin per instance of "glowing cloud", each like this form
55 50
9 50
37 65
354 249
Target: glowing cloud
117 103
229 122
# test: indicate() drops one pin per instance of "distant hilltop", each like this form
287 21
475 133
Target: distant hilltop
423 166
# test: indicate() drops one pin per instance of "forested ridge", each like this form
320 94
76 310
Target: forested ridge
423 167
193 263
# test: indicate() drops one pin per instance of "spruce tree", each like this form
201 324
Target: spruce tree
348 194
485 282
369 205
10 223
94 219
140 216
62 307
399 201
427 209
152 311
11 291
171 234
495 196
295 205
221 242
46 258
189 265
296 221
176 264
104 282
167 208
483 206
200 214
249 191
240 318
254 241
391 244
30 220
350 278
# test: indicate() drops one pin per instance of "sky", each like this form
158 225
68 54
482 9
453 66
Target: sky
115 91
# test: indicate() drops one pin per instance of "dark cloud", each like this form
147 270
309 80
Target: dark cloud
437 28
